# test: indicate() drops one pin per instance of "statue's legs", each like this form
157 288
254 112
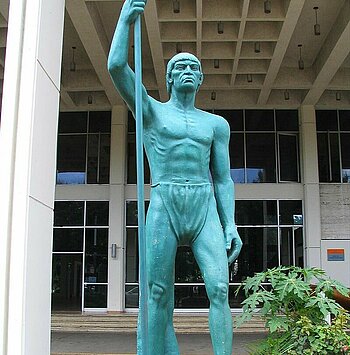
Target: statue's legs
161 246
210 253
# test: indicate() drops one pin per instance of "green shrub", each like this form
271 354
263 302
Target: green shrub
295 311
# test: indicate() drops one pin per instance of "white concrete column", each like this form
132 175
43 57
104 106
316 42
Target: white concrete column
27 180
312 212
116 269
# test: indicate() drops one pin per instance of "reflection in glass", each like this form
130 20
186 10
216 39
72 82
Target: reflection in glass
66 282
287 120
100 121
256 212
299 246
291 248
191 296
345 156
344 118
132 255
69 213
98 158
287 246
96 255
288 157
326 120
68 239
97 213
186 267
131 212
237 157
259 252
72 122
290 210
259 120
186 297
233 117
131 296
328 157
261 159
71 157
132 162
74 166
105 148
95 296
92 159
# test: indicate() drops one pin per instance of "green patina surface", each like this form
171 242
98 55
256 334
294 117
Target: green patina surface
185 146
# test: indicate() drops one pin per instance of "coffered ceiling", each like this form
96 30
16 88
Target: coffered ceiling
244 77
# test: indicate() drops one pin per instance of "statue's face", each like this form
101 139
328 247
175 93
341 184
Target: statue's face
186 75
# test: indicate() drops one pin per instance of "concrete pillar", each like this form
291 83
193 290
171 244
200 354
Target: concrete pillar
312 212
27 180
116 270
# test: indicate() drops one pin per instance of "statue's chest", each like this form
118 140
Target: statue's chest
184 127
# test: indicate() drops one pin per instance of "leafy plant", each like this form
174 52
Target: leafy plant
295 311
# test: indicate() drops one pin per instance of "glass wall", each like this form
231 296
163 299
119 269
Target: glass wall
263 146
80 255
131 154
83 147
272 235
333 143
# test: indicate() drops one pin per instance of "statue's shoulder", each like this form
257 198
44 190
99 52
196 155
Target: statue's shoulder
218 122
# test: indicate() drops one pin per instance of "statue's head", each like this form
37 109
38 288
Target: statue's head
187 58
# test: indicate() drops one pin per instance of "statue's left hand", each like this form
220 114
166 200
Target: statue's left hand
233 243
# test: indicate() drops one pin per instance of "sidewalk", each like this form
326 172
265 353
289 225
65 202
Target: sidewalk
88 343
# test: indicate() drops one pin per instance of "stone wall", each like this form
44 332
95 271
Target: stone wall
335 211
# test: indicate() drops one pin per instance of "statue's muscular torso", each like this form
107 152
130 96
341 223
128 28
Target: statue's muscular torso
178 143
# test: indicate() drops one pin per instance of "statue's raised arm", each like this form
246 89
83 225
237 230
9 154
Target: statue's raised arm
122 75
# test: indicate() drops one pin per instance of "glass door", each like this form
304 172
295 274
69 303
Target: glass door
67 282
80 256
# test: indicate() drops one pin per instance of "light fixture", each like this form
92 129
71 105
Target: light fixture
257 47
249 78
72 65
220 28
216 63
176 6
317 27
338 96
213 95
286 95
178 47
267 6
90 99
300 61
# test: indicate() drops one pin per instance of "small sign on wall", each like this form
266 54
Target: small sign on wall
335 255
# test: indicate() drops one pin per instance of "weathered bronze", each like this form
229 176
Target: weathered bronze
184 146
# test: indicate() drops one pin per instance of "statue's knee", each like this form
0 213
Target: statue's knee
219 292
158 293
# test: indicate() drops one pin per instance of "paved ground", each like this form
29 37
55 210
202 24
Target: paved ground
109 343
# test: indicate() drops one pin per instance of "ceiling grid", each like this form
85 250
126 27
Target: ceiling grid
249 55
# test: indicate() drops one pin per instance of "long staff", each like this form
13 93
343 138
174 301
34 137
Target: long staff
143 284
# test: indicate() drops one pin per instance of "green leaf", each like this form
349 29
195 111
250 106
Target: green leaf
277 323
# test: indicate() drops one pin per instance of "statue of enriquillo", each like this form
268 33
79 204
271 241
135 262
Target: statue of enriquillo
182 145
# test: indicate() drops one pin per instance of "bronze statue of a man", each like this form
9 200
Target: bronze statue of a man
183 146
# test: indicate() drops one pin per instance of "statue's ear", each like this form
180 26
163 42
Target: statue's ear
200 81
169 78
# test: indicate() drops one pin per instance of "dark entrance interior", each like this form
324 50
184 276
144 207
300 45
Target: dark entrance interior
67 282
